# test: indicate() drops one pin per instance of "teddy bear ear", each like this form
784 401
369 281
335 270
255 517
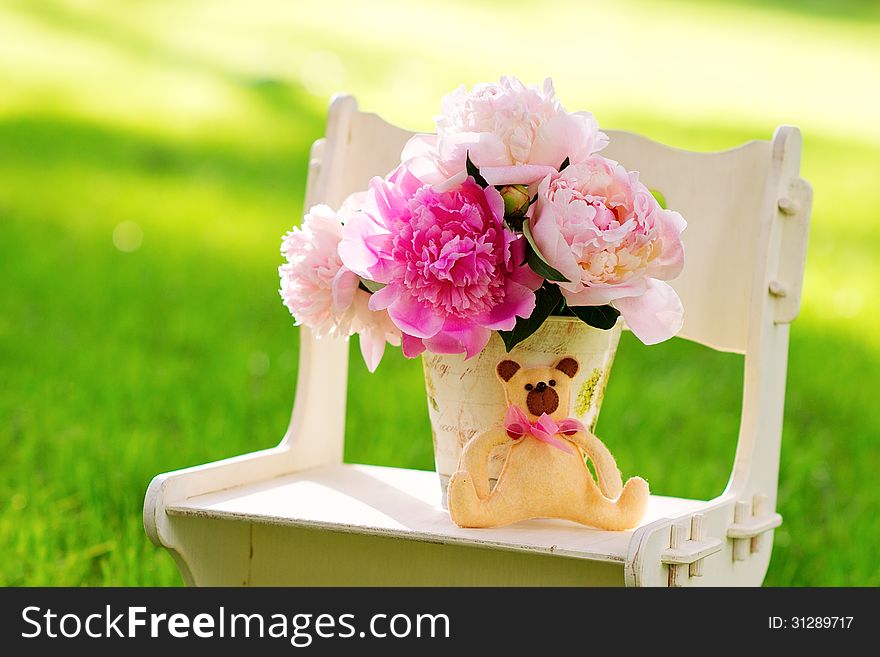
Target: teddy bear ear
506 369
568 366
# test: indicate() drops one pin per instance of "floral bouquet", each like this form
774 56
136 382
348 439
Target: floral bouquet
506 216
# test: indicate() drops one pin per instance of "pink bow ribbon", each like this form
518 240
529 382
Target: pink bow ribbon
545 429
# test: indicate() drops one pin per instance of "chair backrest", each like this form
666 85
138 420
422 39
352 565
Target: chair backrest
726 198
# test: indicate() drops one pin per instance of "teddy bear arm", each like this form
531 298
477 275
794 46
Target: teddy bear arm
607 473
475 457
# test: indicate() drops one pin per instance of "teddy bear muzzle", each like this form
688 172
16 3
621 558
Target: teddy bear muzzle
542 399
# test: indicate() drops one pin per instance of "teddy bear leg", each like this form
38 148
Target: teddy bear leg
465 506
467 509
623 513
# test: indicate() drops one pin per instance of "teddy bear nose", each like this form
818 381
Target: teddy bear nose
541 387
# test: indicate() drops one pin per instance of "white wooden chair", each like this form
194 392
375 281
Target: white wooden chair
295 514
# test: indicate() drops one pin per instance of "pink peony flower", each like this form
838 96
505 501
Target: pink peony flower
323 294
603 230
514 134
452 271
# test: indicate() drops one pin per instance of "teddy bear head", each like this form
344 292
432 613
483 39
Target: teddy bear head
538 390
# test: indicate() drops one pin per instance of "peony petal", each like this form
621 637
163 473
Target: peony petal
519 301
599 140
484 149
383 298
410 316
554 139
670 262
352 204
419 148
363 241
654 316
404 184
515 174
552 244
384 201
412 346
372 345
573 136
422 161
421 144
345 285
458 337
495 201
523 274
452 182
599 295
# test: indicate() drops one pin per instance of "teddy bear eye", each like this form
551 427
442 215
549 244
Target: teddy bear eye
552 382
529 386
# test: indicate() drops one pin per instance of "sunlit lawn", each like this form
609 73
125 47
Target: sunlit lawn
192 120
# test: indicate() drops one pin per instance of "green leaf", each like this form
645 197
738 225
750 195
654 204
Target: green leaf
564 164
658 195
547 299
601 317
541 268
538 262
474 172
562 310
371 286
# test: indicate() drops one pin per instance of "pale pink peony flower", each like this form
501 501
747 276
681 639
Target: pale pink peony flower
323 294
603 230
452 271
514 134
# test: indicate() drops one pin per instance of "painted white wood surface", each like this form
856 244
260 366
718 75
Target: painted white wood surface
405 504
252 519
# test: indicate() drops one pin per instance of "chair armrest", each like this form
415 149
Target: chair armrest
171 487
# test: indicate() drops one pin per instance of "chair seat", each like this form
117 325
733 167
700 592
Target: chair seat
405 504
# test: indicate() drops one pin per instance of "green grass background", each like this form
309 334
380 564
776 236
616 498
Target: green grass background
192 120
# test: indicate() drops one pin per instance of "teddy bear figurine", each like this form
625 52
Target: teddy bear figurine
545 474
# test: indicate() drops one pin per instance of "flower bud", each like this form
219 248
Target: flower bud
516 200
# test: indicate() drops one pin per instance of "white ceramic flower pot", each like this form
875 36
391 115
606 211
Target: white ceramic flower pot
465 397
